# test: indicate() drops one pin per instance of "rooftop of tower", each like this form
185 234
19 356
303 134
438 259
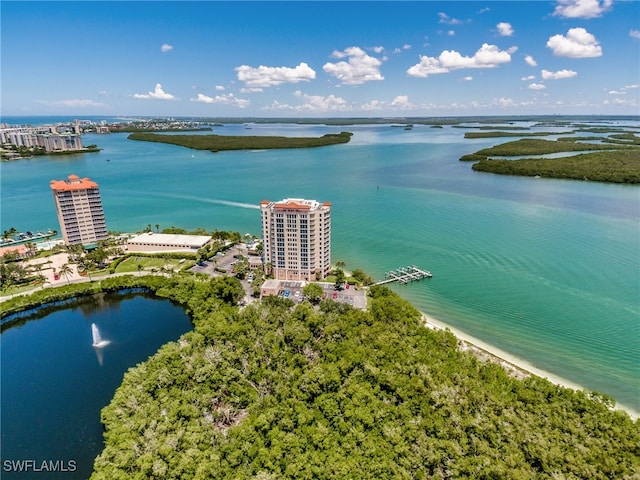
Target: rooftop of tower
295 204
74 182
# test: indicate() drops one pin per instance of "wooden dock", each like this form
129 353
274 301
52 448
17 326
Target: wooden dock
405 275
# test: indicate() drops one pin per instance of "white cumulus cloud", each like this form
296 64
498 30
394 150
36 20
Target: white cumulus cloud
487 56
401 101
166 47
634 33
582 8
444 18
360 67
263 76
577 44
530 61
228 99
314 104
560 74
536 86
529 78
505 29
157 94
219 88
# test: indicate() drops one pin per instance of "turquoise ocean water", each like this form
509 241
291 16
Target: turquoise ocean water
546 270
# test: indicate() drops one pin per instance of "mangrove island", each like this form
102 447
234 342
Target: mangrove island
217 143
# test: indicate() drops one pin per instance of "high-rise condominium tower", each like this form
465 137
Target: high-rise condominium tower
296 237
80 212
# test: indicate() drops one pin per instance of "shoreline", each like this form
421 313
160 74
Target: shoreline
515 367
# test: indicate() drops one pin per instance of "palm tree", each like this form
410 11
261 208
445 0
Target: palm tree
9 233
31 248
65 271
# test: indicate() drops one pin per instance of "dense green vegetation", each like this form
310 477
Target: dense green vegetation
216 143
505 134
281 391
277 391
538 147
617 167
609 162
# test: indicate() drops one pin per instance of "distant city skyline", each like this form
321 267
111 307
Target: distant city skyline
320 59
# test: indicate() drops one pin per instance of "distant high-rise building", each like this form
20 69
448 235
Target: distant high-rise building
296 237
80 212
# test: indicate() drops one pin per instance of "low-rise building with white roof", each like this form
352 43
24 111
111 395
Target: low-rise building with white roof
164 242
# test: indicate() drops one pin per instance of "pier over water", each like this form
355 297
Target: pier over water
405 275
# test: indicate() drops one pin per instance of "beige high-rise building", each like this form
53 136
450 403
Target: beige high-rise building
296 237
80 212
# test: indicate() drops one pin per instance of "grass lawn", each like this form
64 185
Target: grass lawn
148 263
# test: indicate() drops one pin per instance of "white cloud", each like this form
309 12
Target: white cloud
314 104
505 29
166 48
634 33
359 69
487 56
401 101
270 76
406 46
623 90
378 49
582 8
451 33
536 86
219 88
157 94
560 74
251 90
530 61
529 78
444 18
622 102
229 99
467 79
577 44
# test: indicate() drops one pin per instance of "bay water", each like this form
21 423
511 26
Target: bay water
546 270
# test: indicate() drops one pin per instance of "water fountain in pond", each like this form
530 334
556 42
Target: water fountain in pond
98 342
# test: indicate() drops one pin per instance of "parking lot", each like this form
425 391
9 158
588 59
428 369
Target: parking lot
222 260
225 261
287 289
349 294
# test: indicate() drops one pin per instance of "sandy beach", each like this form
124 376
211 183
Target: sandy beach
515 366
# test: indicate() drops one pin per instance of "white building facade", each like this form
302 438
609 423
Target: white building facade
296 235
80 212
164 242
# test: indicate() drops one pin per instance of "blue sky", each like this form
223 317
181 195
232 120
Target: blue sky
319 59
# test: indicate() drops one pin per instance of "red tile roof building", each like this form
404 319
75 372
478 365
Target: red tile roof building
79 209
296 236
